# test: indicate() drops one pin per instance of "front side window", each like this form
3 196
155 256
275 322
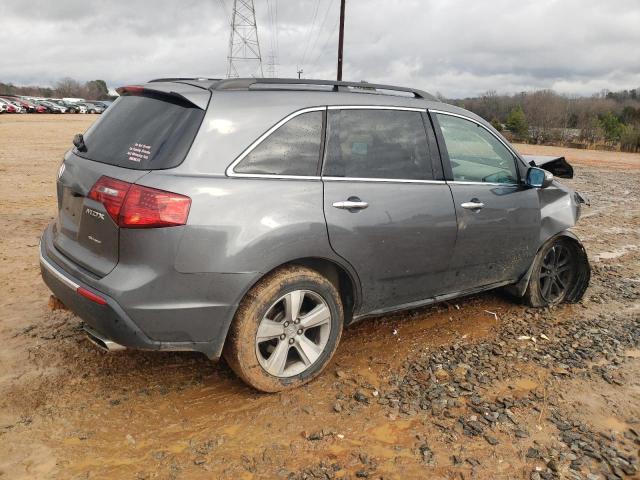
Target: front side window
475 154
368 143
293 149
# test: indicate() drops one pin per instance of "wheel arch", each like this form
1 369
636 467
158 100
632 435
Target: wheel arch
342 277
519 288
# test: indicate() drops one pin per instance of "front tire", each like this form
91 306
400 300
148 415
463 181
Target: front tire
285 330
560 274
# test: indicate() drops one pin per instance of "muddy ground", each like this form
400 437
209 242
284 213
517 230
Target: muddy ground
477 388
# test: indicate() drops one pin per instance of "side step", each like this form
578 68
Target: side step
102 342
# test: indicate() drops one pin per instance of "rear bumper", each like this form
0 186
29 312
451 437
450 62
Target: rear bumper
109 320
163 311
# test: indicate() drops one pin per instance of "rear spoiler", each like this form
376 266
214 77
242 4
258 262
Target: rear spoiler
197 97
556 165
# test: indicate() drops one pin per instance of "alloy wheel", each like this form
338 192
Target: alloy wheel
556 273
293 333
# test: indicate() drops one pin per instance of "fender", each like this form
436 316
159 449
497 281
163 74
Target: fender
584 270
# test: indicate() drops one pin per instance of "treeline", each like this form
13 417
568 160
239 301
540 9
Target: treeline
607 120
64 88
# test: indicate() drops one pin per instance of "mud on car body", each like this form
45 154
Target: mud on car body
256 218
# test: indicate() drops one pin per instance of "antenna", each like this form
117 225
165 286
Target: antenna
244 47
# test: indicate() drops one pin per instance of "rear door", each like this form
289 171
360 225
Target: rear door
498 217
387 213
140 133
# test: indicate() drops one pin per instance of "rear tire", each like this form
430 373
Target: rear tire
285 330
560 274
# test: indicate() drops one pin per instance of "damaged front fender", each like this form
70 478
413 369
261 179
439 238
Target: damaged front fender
560 209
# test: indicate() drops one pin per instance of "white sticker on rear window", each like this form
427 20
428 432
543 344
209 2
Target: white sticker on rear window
139 152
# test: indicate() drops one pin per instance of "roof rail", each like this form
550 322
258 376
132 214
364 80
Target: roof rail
181 79
365 87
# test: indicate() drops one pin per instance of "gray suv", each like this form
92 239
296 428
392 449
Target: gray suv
255 218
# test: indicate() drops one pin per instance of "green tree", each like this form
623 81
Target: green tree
517 122
496 124
97 90
612 127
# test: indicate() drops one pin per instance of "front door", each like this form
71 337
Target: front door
498 217
386 215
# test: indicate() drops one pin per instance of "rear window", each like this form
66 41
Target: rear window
143 133
388 144
293 149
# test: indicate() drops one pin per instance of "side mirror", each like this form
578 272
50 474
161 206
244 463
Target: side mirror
78 141
539 178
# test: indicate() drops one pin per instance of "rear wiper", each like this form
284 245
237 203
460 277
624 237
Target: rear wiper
78 141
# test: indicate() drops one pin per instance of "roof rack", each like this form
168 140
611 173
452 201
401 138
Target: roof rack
363 87
181 79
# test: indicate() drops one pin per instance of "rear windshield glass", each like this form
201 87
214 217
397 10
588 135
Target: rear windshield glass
143 133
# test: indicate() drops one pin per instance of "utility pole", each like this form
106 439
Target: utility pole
341 39
244 47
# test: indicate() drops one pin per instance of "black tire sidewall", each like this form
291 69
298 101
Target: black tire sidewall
534 291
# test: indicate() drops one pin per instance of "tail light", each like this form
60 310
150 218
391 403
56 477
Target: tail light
135 206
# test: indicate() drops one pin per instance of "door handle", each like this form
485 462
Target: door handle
472 205
351 205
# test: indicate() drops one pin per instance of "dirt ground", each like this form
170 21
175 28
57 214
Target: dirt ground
477 388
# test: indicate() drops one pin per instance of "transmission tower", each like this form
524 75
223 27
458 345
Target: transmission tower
244 47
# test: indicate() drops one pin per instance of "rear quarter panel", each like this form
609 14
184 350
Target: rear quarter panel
242 225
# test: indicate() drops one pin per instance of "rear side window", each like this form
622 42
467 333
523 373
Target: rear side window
293 149
143 133
475 154
371 143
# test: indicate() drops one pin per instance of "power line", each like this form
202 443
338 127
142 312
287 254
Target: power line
224 10
321 29
326 42
313 22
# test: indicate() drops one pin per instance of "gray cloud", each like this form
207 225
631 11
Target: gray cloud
456 47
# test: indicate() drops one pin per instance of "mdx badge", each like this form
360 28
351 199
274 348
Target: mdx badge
94 213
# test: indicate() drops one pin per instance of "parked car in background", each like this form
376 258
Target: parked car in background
102 103
54 107
93 108
3 108
9 107
184 226
28 106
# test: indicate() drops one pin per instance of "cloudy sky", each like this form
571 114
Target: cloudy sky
455 47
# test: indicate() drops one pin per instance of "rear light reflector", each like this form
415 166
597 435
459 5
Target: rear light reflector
91 296
135 206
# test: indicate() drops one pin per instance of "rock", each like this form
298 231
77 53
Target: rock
491 440
337 407
426 453
441 374
533 453
56 304
361 397
200 461
315 436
